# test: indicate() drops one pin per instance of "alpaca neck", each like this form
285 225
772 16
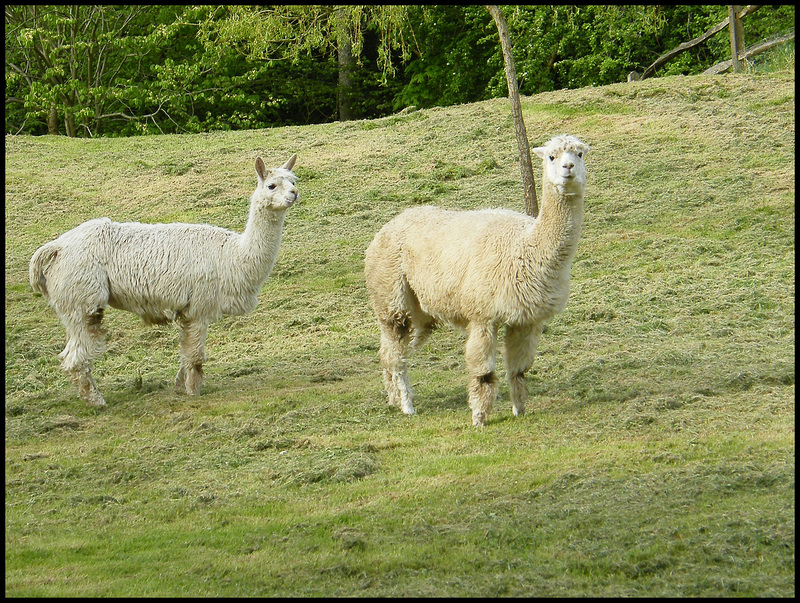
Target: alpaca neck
561 214
260 242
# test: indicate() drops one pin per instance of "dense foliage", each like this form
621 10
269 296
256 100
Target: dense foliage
122 70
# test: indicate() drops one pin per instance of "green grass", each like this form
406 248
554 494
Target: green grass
657 458
779 58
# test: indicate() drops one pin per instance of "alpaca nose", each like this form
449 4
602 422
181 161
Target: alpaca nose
568 166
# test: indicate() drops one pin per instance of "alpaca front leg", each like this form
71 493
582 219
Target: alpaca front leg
399 390
521 343
480 354
190 374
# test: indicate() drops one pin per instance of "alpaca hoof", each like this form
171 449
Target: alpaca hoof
478 419
518 412
182 389
95 400
408 410
186 386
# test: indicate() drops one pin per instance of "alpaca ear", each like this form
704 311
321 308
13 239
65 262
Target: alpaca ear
290 163
539 151
261 169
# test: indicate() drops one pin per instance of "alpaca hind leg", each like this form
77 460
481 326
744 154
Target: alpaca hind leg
394 348
193 342
422 325
85 341
480 357
521 342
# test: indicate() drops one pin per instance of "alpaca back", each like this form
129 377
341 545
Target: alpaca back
469 265
158 271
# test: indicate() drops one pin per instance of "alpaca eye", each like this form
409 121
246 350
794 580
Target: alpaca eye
552 158
580 154
272 187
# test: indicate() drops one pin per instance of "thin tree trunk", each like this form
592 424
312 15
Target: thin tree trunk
69 124
525 166
345 90
345 60
52 121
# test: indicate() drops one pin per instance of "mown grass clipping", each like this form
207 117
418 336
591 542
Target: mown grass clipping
657 457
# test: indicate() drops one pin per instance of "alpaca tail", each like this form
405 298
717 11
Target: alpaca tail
43 257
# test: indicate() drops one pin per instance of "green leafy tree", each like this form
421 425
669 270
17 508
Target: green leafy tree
562 46
64 63
114 70
108 70
456 54
295 32
601 44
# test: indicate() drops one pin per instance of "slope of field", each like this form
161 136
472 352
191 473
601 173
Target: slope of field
657 458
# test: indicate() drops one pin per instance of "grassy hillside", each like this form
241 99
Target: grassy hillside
657 458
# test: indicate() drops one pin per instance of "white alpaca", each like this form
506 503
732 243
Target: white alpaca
478 270
191 273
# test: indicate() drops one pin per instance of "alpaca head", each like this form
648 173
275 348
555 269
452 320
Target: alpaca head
563 163
276 188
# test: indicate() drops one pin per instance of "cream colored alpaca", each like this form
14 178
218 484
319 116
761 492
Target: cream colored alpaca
191 273
478 270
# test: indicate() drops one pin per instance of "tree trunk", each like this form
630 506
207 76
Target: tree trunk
69 124
344 52
52 121
525 166
345 90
